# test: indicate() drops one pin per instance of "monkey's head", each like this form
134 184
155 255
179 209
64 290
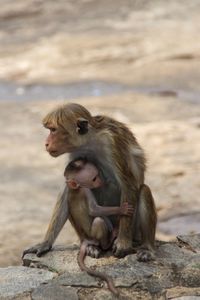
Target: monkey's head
70 127
81 173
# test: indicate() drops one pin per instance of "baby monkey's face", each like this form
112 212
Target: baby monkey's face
84 174
88 177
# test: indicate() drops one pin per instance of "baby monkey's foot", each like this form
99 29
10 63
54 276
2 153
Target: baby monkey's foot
93 251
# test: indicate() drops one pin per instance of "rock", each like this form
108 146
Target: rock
170 254
16 281
192 241
187 298
57 260
53 291
125 294
175 274
190 275
179 291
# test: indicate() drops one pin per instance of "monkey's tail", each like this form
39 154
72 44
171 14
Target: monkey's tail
108 279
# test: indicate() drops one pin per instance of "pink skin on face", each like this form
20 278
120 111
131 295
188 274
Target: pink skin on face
89 177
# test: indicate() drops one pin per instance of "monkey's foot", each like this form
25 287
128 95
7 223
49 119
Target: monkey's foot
93 251
38 249
145 255
122 248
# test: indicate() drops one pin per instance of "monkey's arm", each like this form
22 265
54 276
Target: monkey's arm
130 169
96 210
59 217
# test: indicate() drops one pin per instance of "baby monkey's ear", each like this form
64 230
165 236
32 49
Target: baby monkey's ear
72 184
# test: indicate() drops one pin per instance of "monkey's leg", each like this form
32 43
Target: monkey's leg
101 231
59 217
146 219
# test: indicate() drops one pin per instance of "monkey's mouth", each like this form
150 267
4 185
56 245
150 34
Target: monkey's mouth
53 153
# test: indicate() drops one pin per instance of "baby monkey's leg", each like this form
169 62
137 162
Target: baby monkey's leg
103 233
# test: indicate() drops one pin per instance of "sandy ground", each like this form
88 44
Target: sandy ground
153 48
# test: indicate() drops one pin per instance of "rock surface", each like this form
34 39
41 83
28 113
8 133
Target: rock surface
152 48
17 281
175 274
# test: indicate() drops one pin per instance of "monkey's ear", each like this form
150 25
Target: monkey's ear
72 184
82 126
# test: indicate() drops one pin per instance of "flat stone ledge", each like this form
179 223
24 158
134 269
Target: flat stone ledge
174 274
53 291
176 264
16 281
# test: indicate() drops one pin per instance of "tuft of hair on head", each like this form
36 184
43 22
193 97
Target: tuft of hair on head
52 118
67 114
74 166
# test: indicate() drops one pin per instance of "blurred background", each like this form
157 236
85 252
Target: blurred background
137 61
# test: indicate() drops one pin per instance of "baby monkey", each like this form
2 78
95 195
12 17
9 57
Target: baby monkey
81 177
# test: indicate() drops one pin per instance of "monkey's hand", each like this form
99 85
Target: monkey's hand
126 209
39 249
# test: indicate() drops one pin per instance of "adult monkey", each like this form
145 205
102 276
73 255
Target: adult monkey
122 164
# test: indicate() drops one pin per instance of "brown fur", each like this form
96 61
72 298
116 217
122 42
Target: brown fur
121 162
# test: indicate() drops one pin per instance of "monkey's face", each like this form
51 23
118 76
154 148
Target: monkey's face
58 142
69 129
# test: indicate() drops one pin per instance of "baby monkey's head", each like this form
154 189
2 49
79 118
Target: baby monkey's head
81 173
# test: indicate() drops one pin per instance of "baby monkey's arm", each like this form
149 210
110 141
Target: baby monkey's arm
96 210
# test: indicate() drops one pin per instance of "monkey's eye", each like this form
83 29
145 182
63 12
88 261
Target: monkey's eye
94 179
52 129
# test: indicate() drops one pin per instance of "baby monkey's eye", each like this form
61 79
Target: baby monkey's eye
94 178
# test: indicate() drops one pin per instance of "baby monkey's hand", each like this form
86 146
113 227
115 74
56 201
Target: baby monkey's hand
126 209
